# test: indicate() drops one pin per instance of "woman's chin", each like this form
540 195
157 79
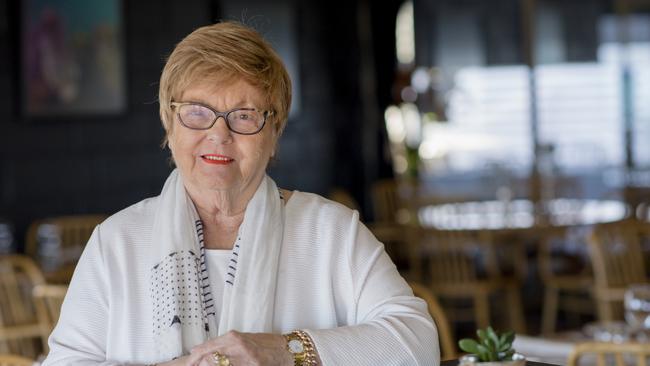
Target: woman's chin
220 184
215 181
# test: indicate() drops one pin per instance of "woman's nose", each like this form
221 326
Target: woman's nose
219 132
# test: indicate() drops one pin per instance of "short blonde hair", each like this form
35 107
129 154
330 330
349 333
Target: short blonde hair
226 51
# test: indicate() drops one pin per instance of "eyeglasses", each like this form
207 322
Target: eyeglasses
197 116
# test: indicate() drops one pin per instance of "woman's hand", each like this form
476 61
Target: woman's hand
181 361
243 349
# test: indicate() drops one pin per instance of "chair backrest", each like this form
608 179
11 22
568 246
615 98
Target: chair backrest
57 243
445 335
385 200
392 199
18 324
15 360
72 230
458 257
616 254
343 197
619 354
562 252
48 300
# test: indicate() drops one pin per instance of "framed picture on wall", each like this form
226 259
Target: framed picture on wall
72 60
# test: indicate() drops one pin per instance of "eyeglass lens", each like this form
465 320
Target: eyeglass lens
243 120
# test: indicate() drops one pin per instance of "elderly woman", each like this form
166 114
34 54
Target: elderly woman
223 267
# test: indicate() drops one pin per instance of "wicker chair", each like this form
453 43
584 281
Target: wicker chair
445 335
19 328
619 354
463 264
48 300
343 197
15 360
71 234
617 261
567 277
386 200
392 203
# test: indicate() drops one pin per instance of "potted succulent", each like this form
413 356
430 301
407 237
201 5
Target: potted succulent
490 349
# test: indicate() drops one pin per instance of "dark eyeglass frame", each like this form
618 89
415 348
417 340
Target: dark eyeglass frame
176 106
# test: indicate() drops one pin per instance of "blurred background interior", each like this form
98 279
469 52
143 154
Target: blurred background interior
498 148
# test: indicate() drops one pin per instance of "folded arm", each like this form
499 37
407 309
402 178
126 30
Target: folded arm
389 325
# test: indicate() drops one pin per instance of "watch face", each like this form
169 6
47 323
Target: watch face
295 346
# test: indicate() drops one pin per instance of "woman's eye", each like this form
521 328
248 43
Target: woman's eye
195 112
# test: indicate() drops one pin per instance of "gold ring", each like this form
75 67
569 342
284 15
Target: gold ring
220 360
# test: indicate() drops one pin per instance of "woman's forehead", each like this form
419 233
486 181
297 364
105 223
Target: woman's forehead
222 92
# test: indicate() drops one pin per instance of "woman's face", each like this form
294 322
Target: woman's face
218 159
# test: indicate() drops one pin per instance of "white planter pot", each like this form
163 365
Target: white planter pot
502 363
471 360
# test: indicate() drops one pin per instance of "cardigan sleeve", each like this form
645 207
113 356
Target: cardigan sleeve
80 335
391 326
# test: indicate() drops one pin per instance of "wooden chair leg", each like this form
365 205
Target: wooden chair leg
604 310
516 311
549 312
482 309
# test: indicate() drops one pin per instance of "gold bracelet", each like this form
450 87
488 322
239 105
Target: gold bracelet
301 347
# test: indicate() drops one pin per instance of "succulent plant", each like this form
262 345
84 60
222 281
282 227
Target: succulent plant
490 345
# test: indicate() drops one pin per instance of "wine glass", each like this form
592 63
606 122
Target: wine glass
608 331
637 306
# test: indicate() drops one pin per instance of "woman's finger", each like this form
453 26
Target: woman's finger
225 341
208 360
201 359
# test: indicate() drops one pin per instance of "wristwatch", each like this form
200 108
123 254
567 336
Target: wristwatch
296 348
300 346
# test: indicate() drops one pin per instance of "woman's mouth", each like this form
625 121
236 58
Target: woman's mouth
217 159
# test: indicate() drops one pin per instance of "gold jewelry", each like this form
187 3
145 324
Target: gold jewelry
301 347
220 360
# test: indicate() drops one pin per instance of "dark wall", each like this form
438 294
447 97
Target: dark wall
340 49
89 164
100 164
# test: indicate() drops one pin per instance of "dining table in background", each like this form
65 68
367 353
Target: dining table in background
521 214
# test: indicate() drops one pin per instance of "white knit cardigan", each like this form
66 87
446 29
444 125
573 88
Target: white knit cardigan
335 281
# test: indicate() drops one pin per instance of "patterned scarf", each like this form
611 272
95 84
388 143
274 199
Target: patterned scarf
183 307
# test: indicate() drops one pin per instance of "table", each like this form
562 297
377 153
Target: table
528 363
521 214
556 350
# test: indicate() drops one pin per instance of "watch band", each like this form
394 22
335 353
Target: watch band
308 355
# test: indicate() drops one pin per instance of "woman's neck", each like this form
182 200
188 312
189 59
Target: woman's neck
221 212
220 226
